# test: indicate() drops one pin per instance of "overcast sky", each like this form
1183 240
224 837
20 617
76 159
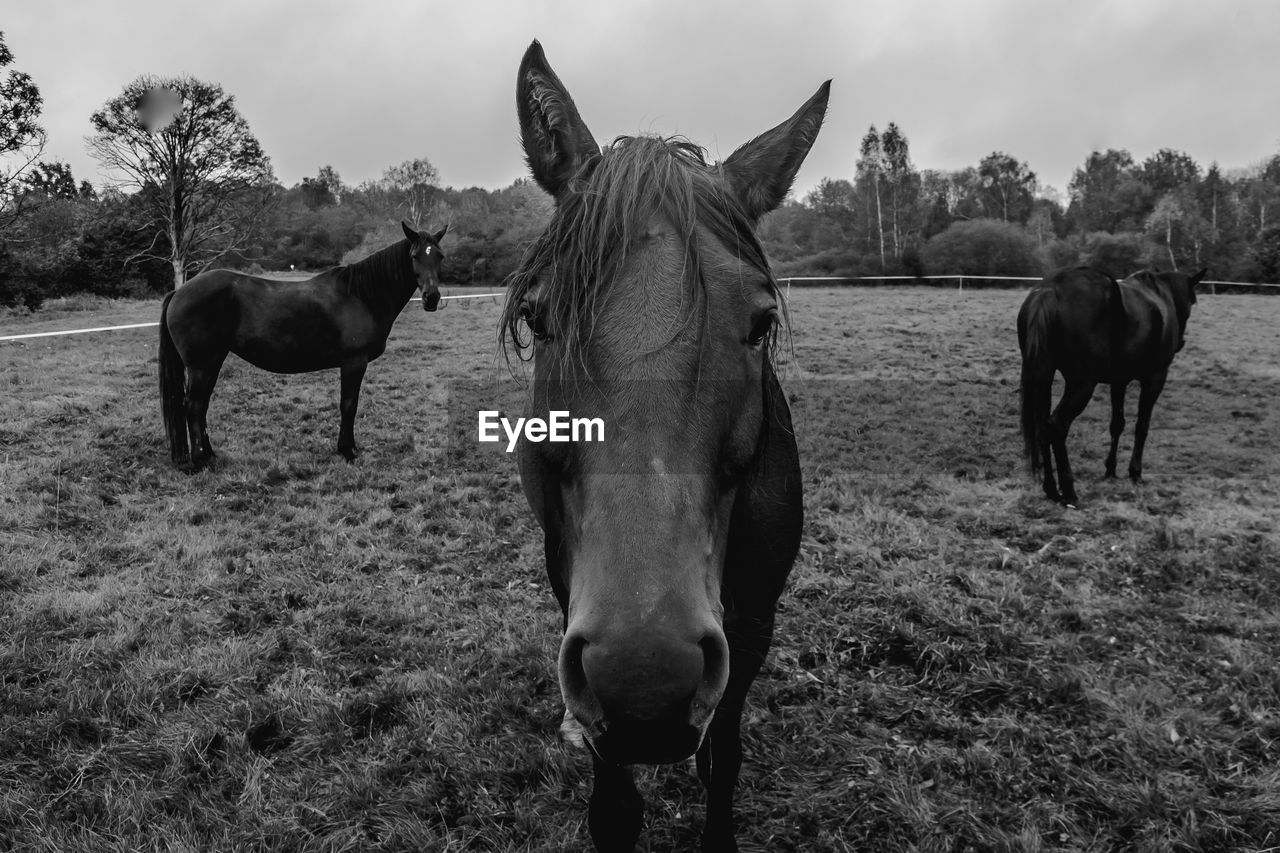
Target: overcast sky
365 85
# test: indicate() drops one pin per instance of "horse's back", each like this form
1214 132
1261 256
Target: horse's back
281 326
1077 314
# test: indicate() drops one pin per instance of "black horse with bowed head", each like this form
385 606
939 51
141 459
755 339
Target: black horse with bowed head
1091 328
648 302
339 318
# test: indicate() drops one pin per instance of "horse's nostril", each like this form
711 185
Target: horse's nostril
573 677
715 672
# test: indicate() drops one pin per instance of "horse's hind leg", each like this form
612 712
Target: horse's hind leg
1046 462
1074 399
200 384
352 375
1151 388
1118 388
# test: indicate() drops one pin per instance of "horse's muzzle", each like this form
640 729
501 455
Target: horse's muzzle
431 300
643 697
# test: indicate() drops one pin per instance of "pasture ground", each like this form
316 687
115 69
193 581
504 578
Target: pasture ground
288 652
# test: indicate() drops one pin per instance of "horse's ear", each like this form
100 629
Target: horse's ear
555 138
761 171
439 235
409 232
1198 277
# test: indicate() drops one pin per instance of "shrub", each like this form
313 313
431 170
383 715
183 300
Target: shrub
1115 254
980 247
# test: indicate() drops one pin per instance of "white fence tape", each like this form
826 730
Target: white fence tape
157 322
961 278
787 281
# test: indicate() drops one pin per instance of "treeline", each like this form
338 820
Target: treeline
1166 211
72 238
991 219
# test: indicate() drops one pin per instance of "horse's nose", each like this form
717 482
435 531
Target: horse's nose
644 693
431 298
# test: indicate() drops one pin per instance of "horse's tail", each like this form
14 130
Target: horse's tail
173 379
1037 372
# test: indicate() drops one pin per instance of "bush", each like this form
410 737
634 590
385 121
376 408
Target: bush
980 247
1056 254
1264 257
1115 254
16 287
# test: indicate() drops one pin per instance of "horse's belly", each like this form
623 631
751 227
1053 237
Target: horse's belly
295 361
308 341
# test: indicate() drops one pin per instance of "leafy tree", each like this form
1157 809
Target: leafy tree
22 138
1107 193
904 182
324 189
1260 195
1176 223
870 169
1168 212
1168 170
185 146
833 200
1008 186
1265 256
51 180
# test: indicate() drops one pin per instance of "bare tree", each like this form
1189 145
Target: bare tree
185 146
418 182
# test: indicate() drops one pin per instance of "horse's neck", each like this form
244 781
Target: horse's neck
380 281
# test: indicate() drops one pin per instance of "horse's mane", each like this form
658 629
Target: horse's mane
381 279
604 212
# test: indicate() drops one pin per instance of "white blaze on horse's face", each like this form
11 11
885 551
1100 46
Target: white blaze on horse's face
426 256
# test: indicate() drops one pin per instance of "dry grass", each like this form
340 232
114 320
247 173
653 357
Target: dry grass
292 653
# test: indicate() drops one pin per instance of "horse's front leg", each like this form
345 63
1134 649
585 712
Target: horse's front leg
1118 387
616 811
719 762
719 758
1151 388
352 375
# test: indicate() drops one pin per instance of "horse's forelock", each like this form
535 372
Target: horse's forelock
611 203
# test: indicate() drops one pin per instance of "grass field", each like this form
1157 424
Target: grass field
292 653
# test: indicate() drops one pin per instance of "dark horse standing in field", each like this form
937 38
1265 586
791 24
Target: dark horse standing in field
649 302
340 318
1092 328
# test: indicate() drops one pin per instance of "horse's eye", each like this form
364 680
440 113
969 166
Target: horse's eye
534 320
764 325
